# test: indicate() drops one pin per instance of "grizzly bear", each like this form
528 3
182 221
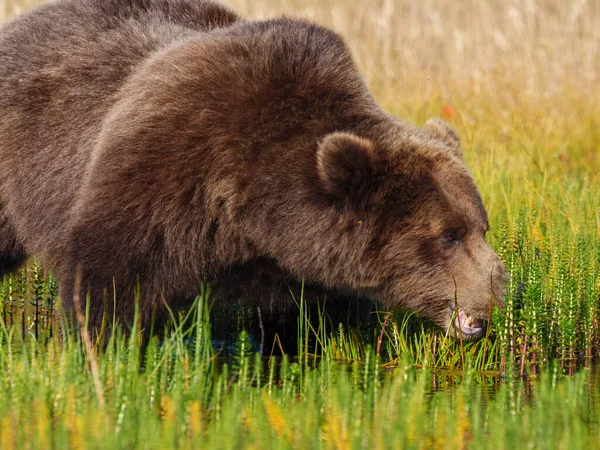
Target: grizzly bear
149 146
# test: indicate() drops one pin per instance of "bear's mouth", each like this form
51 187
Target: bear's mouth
469 326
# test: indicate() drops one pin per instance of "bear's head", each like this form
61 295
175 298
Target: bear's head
423 220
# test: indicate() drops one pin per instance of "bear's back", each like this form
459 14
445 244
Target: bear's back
93 43
61 67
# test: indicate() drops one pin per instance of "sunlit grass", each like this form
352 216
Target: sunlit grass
178 400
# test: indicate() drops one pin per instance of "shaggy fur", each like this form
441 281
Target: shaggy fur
168 142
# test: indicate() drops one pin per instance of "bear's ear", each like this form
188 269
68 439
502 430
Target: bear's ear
446 133
346 167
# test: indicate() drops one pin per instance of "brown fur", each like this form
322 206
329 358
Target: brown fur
171 143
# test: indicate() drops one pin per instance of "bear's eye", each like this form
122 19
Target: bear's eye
451 237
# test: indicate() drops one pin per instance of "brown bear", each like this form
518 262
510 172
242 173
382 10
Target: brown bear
161 144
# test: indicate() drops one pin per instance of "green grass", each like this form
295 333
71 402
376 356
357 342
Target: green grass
178 394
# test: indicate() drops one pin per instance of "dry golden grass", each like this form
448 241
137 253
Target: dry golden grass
509 49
